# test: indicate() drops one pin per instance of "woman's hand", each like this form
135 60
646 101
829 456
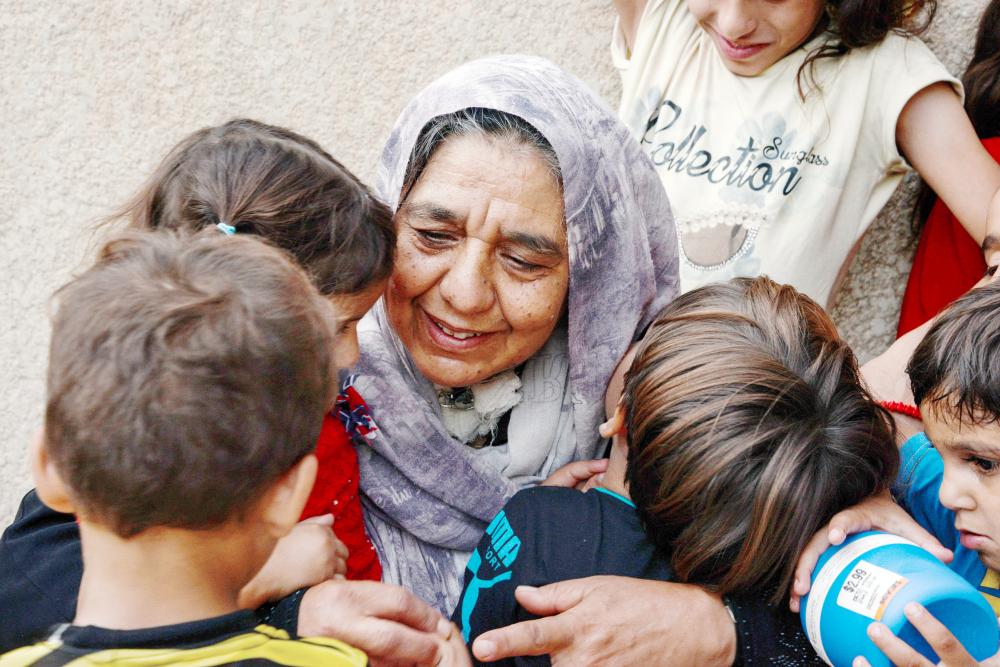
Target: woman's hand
387 622
877 513
308 555
580 475
452 651
952 653
651 625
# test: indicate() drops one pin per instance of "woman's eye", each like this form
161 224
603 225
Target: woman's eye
433 238
522 264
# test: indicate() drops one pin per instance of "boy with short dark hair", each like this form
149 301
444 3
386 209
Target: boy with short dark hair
949 479
187 382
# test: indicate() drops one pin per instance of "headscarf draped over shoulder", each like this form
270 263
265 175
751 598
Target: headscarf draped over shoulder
428 497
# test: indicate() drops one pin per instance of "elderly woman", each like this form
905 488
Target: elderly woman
534 244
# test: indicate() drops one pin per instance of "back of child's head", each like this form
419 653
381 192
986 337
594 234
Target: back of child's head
748 428
954 368
271 182
185 376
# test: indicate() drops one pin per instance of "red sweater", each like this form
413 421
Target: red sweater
336 488
947 264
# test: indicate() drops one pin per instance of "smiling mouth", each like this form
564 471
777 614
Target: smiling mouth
452 339
461 335
739 51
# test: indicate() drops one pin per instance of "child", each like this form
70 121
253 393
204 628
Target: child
949 476
948 262
740 410
780 129
186 385
270 182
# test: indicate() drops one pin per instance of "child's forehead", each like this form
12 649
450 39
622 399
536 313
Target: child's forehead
948 429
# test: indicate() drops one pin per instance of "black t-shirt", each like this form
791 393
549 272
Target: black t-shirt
40 570
233 639
549 534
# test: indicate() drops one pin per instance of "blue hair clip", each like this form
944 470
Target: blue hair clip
228 230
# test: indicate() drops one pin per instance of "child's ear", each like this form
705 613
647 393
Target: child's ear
615 425
288 495
49 483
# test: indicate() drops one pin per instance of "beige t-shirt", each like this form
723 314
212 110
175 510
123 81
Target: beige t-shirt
761 182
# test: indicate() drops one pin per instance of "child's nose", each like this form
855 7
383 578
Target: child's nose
735 20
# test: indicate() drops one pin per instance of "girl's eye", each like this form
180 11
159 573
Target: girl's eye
984 466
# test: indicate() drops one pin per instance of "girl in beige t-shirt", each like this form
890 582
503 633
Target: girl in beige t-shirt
781 127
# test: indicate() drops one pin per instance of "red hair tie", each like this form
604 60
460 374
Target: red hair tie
901 408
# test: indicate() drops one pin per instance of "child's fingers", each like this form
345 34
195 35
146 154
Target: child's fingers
573 473
949 650
321 520
898 651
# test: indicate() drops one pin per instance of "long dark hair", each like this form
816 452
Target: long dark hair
982 96
860 23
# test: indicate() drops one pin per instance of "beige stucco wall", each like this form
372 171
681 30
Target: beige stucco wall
93 93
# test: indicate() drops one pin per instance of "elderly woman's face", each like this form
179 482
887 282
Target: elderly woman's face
482 267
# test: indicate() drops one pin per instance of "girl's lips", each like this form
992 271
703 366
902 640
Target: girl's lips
973 541
451 343
736 51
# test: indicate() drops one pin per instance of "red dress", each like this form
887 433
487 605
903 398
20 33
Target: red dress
336 488
947 264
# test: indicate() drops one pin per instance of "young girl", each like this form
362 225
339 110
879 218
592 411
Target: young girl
250 178
948 262
740 412
780 129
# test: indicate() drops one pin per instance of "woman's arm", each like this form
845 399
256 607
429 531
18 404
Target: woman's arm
651 625
629 13
936 137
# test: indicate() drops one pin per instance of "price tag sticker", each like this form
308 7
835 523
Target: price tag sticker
868 589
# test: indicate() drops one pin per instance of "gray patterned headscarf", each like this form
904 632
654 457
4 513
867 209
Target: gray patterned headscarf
429 497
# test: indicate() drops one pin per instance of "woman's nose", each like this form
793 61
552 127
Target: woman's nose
467 286
735 20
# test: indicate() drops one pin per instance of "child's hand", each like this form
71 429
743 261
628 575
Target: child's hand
579 475
952 653
876 513
308 555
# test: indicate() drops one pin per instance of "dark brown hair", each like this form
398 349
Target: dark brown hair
982 96
955 365
748 428
185 376
274 183
856 24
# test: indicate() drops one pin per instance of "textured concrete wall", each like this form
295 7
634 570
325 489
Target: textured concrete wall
93 93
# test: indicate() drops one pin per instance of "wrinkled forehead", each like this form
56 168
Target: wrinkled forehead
562 109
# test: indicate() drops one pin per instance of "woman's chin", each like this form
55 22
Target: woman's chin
452 373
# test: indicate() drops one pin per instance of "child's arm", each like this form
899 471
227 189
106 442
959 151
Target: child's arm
629 13
877 513
307 556
936 136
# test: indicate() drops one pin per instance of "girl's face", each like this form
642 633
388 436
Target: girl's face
350 309
482 267
971 483
752 35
